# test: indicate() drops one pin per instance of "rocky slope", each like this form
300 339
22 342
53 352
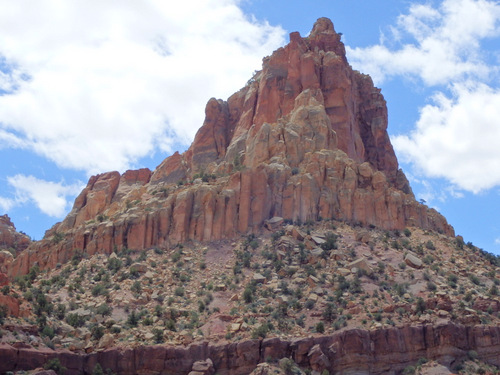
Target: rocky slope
328 295
285 240
305 139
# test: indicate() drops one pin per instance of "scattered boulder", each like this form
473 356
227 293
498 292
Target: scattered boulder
258 278
413 261
106 341
274 223
362 264
205 367
138 268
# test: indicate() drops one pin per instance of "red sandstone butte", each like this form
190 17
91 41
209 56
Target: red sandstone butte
305 139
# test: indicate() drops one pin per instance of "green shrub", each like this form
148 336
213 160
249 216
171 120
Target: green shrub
421 306
133 319
320 327
261 331
75 320
104 309
55 364
158 335
97 332
3 313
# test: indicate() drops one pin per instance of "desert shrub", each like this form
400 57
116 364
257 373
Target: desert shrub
48 332
421 306
114 264
158 335
100 290
430 245
133 319
3 313
55 364
431 287
75 320
330 242
261 331
104 309
97 331
320 327
136 287
474 279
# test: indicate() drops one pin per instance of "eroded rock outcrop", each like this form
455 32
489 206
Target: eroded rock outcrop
305 139
10 238
352 351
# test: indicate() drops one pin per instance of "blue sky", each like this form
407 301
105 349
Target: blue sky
95 86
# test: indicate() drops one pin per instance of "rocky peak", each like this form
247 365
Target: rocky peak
322 25
305 139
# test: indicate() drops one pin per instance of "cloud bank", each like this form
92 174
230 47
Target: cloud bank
49 197
456 136
95 86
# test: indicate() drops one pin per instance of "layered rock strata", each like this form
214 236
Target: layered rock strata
355 351
305 139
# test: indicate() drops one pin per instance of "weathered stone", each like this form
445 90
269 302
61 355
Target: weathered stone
258 278
274 223
413 261
106 341
362 264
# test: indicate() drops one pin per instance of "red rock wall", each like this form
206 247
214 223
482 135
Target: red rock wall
353 351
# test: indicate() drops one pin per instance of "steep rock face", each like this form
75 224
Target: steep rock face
10 238
305 139
356 351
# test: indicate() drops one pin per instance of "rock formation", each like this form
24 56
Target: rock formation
10 239
354 351
305 139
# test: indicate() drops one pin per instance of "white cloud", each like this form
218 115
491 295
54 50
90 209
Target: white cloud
444 46
98 85
6 204
458 138
50 197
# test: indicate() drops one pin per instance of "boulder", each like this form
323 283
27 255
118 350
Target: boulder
413 261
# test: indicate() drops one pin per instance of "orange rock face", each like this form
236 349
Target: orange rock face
305 139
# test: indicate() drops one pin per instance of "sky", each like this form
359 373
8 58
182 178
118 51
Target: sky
93 86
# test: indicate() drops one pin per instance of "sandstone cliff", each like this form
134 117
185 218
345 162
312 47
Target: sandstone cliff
356 351
305 139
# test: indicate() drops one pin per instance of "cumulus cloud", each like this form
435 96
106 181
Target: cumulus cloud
457 138
50 197
456 135
444 46
97 85
6 203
